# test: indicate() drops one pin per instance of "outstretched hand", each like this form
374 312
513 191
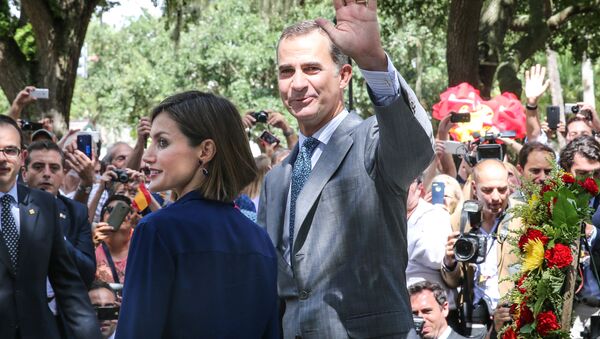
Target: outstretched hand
535 85
357 33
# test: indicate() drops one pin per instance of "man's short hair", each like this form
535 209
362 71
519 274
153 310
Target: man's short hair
98 284
46 145
438 292
575 119
585 145
530 147
305 27
6 120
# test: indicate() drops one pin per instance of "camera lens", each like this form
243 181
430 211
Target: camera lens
575 109
464 250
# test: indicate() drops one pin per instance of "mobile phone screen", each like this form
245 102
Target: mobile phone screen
84 144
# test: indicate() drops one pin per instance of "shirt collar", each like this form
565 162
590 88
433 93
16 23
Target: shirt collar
325 132
12 192
446 333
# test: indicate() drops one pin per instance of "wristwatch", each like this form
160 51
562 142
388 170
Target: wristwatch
85 189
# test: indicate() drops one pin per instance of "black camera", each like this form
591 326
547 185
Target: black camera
107 312
260 116
30 125
418 323
470 247
122 175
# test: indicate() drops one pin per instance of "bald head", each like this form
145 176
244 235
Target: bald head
490 186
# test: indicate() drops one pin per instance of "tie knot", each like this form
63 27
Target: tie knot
6 200
310 144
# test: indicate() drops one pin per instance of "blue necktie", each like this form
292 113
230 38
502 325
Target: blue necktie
9 229
300 175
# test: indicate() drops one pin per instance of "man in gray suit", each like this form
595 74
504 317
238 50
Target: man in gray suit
340 197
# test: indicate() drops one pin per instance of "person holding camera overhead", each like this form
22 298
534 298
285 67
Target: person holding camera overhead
199 268
491 259
271 118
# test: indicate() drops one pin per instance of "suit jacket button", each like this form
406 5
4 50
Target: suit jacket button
304 294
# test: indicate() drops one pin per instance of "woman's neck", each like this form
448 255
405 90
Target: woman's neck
118 244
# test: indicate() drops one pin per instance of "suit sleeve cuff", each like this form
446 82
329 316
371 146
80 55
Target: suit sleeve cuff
383 84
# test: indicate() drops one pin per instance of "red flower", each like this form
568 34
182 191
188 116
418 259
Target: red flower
532 234
520 284
567 178
546 188
525 316
509 334
546 322
558 256
590 185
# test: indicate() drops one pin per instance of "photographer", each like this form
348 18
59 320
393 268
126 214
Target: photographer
104 299
485 273
429 301
576 127
274 119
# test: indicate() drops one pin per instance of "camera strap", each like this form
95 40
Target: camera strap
111 263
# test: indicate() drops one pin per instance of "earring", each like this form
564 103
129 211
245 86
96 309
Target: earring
205 171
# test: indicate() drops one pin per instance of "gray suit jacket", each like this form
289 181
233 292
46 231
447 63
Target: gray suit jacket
350 237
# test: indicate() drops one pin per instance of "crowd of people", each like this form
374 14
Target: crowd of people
349 228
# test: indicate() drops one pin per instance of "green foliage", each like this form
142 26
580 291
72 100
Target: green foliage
26 41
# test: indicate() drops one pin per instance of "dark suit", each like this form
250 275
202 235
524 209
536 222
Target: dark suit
454 335
199 269
73 217
42 253
349 248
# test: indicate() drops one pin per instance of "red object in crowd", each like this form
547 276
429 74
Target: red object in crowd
502 113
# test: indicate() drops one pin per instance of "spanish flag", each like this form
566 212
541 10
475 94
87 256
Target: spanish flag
142 199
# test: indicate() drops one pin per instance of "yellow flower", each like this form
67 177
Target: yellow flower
534 255
533 200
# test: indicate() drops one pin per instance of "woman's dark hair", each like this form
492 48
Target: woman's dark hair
201 116
586 146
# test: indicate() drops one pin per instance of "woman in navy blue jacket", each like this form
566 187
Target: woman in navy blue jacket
199 268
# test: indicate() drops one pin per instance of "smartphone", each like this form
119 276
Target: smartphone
460 117
84 144
118 215
437 193
553 116
269 138
489 151
455 147
40 93
107 312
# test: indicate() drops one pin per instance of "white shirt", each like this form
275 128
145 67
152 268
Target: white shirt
14 207
446 333
384 85
486 273
428 229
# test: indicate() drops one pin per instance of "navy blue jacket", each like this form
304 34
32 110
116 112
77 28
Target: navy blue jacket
199 269
73 217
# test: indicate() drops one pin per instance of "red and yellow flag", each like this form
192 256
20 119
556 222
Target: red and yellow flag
142 199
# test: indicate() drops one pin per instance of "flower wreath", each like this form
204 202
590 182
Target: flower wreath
547 247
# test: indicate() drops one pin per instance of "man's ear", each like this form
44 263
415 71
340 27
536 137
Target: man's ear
520 169
206 151
24 155
345 75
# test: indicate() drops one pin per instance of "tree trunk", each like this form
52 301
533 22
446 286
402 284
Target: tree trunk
587 79
461 44
59 29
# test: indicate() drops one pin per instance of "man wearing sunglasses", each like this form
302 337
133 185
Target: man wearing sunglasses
32 246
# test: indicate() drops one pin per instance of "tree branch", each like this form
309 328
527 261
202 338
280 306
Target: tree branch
522 22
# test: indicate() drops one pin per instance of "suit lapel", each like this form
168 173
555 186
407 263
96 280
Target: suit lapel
29 213
330 160
280 190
